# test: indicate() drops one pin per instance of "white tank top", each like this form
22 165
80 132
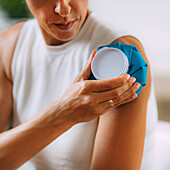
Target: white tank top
41 74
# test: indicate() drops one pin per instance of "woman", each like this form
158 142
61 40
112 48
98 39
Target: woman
58 125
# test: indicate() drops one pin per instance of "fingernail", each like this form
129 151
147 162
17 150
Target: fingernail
138 85
133 80
128 77
134 96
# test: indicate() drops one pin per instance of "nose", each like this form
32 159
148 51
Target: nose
63 8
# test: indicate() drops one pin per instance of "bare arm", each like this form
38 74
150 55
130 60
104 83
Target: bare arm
120 136
5 99
7 44
78 104
23 142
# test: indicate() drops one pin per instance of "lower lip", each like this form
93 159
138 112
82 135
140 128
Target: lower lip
65 27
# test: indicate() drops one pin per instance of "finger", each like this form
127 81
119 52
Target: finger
87 69
85 73
108 107
127 94
129 99
118 102
124 97
114 93
107 84
104 106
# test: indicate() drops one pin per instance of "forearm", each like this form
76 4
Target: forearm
20 144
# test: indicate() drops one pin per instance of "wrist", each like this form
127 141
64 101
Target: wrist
54 116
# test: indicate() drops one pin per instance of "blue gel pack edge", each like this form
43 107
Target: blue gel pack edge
137 65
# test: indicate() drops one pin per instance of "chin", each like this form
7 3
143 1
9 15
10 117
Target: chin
65 37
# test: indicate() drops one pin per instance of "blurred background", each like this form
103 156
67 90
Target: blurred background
149 20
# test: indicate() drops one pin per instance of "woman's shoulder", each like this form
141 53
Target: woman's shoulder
8 39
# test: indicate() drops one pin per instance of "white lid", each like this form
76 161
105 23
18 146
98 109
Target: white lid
109 63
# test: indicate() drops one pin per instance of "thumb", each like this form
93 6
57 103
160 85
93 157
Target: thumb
85 73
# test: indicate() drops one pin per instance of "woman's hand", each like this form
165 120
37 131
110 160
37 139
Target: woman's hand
86 99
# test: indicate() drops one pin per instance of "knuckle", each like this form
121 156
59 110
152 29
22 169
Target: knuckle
129 99
116 93
110 85
118 100
123 81
88 101
84 88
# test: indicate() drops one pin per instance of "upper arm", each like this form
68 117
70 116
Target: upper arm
8 40
5 99
121 132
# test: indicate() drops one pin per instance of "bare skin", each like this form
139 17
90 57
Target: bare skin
121 128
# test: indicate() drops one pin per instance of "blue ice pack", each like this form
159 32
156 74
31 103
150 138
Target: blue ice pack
137 65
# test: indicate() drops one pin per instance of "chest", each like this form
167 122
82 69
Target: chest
43 78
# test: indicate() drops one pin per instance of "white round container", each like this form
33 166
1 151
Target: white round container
109 63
